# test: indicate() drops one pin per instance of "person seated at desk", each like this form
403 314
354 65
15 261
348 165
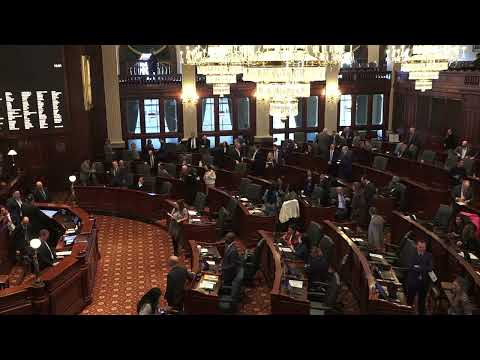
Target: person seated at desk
292 237
366 145
176 280
317 268
458 173
46 255
123 172
357 140
461 304
139 185
418 279
309 150
271 200
6 220
345 164
463 192
468 241
87 173
270 161
40 194
375 231
148 304
15 207
325 185
342 203
449 141
308 185
359 209
209 177
456 229
400 150
369 190
464 151
231 261
178 216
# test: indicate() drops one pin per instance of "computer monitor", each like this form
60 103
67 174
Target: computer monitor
49 213
69 240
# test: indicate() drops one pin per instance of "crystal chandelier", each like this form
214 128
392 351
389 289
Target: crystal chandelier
423 63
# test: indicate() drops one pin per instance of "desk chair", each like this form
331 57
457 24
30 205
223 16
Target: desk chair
252 262
230 297
165 188
254 192
401 259
99 167
200 201
171 169
244 182
376 145
323 296
150 183
442 218
207 159
469 166
428 156
380 163
240 169
327 245
180 148
314 233
451 162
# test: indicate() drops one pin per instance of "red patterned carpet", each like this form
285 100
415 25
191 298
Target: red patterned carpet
134 259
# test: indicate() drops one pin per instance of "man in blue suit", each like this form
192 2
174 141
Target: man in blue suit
418 279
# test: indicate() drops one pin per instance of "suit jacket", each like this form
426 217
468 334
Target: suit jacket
15 210
155 161
348 138
22 237
449 142
359 208
235 156
469 152
415 139
318 269
345 166
280 157
457 190
46 257
39 197
117 177
338 140
136 187
190 147
204 143
231 263
176 279
418 269
369 192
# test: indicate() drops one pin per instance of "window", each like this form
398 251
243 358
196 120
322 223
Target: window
311 136
228 139
133 116
345 110
152 116
170 115
278 138
312 111
208 114
137 142
225 114
212 141
279 123
361 111
244 113
377 109
171 140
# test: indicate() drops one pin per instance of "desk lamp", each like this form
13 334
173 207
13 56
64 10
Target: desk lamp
72 179
12 153
35 244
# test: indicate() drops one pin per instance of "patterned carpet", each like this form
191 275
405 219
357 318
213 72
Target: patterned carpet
134 259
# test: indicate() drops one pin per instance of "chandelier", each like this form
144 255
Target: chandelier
423 63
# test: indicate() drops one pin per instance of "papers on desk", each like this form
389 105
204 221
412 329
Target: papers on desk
69 239
296 284
192 212
358 240
49 213
433 277
472 256
151 194
285 249
63 253
244 199
195 220
70 231
461 203
213 278
255 212
211 263
203 250
376 256
208 285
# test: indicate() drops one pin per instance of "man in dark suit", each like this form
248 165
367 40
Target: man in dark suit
324 140
400 150
14 206
345 164
278 156
463 192
40 194
258 162
139 185
123 173
116 179
152 161
420 265
176 279
369 190
464 151
236 153
231 259
193 143
337 140
413 138
317 269
21 238
149 146
341 203
347 135
204 143
359 209
458 172
45 254
332 158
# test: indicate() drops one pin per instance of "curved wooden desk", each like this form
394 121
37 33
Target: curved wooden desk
67 287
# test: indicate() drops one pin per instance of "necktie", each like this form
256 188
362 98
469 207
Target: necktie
151 160
44 195
331 155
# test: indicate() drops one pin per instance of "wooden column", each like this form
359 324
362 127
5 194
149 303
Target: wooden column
331 108
189 88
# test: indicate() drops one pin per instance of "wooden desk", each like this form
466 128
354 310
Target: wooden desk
67 287
309 213
446 261
273 269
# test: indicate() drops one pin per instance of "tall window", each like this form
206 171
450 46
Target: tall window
312 111
361 113
345 110
144 119
224 118
377 109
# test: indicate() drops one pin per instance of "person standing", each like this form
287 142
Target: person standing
176 279
209 178
420 265
231 259
178 216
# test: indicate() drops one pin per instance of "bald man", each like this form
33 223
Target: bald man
46 255
15 207
40 194
176 279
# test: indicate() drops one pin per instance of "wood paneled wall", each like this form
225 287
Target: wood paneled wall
454 102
